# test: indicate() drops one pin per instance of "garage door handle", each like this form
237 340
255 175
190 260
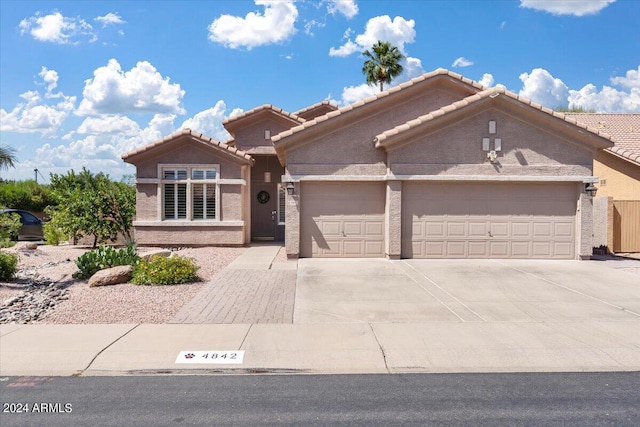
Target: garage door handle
343 234
490 234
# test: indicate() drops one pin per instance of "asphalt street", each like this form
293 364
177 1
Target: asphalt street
558 399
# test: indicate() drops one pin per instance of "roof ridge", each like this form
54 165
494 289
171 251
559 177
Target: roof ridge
385 93
263 107
487 93
316 105
183 132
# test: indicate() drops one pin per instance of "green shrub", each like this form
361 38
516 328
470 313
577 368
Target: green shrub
9 229
53 235
8 265
104 257
165 271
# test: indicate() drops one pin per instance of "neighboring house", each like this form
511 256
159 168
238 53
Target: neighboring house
617 217
438 167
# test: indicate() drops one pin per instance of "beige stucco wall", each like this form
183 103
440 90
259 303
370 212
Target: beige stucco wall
252 135
457 150
622 177
189 236
350 150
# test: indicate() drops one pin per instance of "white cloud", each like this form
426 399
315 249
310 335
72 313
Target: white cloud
345 50
108 125
310 25
487 80
541 87
142 89
351 94
462 62
608 99
209 122
397 32
631 79
50 78
34 115
56 28
567 7
110 19
348 8
275 25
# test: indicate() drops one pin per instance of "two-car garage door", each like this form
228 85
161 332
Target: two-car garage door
488 220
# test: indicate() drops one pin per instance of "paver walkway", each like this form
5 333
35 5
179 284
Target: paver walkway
246 292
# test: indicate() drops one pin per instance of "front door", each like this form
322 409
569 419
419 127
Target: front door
264 199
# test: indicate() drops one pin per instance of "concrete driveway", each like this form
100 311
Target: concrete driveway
417 291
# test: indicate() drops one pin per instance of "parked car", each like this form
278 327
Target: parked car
31 225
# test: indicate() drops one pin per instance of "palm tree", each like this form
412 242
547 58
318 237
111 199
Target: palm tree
7 157
383 64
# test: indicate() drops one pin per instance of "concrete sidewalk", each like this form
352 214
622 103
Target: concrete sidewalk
580 322
60 350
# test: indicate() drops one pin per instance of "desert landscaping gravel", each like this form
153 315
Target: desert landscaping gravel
124 303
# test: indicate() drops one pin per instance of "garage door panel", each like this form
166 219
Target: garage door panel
457 229
499 229
542 250
499 220
434 229
498 249
342 219
563 229
542 229
478 229
478 249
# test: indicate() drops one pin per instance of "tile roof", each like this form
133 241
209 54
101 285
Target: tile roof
261 108
381 139
315 106
198 136
356 105
623 128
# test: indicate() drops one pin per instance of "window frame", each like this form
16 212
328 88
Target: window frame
189 181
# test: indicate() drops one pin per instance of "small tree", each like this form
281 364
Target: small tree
91 204
383 64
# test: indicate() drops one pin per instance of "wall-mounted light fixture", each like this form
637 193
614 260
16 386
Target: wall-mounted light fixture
267 177
291 189
590 189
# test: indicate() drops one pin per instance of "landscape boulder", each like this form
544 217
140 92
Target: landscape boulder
111 276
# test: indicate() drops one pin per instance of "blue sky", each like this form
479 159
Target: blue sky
82 82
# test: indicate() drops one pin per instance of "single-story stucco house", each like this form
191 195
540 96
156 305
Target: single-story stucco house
437 167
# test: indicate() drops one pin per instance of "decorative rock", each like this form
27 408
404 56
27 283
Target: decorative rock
32 304
158 252
32 246
111 276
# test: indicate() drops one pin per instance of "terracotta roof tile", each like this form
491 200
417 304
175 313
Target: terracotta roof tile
315 106
264 107
188 132
623 128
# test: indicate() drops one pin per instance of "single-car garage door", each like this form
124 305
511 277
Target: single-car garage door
488 220
342 219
